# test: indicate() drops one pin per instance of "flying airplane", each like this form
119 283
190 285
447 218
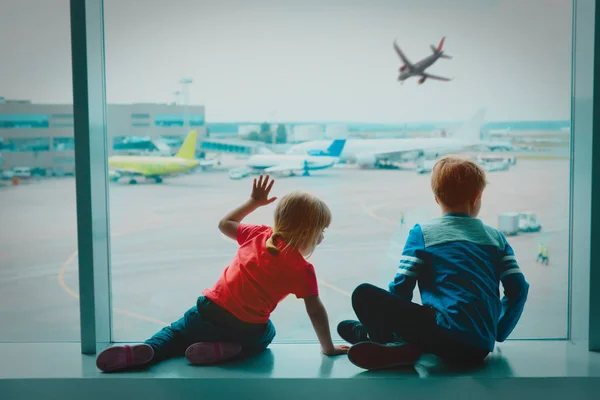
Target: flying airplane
409 69
156 167
368 153
312 160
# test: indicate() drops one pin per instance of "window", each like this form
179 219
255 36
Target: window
27 144
62 116
63 144
38 239
127 143
178 120
354 85
140 116
22 121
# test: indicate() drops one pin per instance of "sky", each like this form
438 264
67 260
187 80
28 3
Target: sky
309 60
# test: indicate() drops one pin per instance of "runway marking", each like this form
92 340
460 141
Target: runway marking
332 287
73 294
370 211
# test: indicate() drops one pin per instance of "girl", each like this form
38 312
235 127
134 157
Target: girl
232 318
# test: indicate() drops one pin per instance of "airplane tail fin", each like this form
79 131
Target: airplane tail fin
439 48
188 148
471 130
336 147
441 45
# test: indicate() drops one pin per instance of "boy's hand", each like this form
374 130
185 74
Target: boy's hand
260 191
336 350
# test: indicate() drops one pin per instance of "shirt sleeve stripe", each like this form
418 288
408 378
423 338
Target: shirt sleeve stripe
507 259
407 265
406 272
510 271
411 259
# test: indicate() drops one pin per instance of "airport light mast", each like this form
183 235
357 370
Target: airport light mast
185 82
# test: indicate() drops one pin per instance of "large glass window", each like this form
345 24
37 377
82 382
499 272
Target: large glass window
38 232
28 144
328 70
63 144
22 121
178 120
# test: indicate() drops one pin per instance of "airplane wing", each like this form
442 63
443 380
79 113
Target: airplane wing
401 55
439 78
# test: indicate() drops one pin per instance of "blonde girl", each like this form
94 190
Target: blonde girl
232 318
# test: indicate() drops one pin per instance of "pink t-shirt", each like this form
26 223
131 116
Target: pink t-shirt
256 281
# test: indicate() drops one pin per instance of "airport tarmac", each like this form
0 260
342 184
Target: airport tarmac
166 247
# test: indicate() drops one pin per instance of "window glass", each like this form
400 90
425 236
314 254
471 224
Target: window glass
39 299
308 73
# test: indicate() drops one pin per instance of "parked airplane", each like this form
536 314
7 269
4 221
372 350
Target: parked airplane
379 152
409 69
314 159
156 167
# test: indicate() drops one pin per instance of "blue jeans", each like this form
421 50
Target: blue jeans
208 322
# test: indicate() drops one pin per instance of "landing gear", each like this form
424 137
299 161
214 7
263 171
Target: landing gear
305 173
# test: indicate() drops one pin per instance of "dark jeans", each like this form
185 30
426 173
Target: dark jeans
386 317
208 322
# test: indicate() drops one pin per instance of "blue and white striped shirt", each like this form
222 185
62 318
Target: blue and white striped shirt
459 262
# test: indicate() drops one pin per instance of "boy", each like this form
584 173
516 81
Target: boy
458 263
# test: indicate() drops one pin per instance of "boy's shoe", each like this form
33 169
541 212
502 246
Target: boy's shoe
204 353
352 331
117 358
371 355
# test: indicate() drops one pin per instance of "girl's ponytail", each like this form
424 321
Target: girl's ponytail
272 246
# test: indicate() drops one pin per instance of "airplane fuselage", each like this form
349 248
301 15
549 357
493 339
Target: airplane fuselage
419 67
152 165
355 147
311 163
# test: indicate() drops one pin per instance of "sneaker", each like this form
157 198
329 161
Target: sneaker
352 331
204 353
371 355
117 358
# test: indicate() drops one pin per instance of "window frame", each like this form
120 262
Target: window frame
91 151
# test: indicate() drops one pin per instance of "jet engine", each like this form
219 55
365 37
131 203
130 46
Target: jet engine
366 160
422 80
402 68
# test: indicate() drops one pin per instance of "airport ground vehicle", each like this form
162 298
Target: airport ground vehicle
508 223
528 222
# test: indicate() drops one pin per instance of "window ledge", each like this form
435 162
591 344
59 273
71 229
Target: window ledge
28 370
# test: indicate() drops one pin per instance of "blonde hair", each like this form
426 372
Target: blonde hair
456 181
299 221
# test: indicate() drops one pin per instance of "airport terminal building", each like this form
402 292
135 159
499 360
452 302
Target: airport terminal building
40 136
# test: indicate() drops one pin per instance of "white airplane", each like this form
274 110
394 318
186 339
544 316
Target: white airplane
309 161
369 153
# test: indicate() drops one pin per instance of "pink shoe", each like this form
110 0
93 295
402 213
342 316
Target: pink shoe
122 357
371 355
212 352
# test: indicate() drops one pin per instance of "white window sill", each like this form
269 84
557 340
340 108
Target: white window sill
542 368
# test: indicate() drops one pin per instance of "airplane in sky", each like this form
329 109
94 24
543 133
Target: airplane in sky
409 69
156 167
312 160
369 153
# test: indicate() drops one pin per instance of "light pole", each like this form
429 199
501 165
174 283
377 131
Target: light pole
177 93
185 82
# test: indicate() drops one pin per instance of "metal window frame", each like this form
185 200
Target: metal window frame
91 152
91 169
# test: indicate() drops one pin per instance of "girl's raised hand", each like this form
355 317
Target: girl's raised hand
261 189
